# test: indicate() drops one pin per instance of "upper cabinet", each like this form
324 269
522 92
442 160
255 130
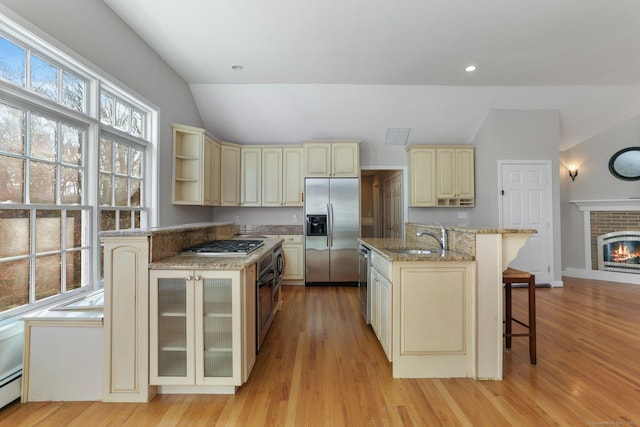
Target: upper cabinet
229 174
455 176
196 165
205 171
335 159
250 177
271 175
422 176
441 176
292 176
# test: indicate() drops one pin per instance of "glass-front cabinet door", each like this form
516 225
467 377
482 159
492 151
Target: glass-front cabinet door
217 328
195 327
171 327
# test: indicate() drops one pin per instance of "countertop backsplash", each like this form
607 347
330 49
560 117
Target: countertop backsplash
270 229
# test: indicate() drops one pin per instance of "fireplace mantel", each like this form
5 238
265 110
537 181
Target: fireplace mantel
608 205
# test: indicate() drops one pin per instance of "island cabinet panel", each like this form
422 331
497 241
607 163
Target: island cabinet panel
434 320
126 320
444 324
380 288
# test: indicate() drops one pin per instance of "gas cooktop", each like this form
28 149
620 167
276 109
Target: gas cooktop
224 248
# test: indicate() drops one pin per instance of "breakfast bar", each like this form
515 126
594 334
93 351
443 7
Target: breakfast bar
446 313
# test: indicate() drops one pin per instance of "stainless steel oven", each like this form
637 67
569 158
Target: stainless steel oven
278 268
265 285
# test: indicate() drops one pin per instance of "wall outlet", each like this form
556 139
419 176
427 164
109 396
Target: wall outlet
295 218
236 219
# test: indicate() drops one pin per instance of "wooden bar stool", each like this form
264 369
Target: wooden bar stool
509 277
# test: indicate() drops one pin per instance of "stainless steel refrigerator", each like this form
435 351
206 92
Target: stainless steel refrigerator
332 223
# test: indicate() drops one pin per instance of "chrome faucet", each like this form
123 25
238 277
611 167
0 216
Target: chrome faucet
442 239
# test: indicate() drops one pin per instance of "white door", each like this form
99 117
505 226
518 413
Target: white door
392 207
525 202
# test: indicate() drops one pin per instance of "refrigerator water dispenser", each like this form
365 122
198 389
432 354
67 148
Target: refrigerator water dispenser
316 225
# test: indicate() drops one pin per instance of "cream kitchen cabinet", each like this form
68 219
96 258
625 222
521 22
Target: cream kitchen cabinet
271 177
249 301
196 167
126 320
434 309
336 159
293 250
422 176
381 302
455 176
196 329
251 177
292 176
441 176
229 174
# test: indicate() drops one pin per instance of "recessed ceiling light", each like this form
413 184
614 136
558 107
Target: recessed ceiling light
470 68
237 67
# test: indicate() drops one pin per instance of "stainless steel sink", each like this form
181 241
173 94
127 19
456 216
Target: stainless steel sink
414 251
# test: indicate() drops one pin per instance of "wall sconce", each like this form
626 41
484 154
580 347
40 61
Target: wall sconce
573 172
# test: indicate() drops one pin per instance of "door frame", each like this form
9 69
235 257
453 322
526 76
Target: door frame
377 197
548 188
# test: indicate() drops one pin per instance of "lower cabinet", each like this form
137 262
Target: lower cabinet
381 298
196 327
384 332
293 250
434 309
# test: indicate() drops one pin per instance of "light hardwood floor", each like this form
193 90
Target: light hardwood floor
321 366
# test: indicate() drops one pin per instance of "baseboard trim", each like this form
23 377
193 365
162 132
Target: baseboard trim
608 276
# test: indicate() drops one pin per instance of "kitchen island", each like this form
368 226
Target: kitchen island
445 306
136 262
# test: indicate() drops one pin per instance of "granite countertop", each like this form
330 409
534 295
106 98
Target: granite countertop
183 262
477 230
385 247
143 232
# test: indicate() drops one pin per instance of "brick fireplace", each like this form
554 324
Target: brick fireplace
604 222
602 217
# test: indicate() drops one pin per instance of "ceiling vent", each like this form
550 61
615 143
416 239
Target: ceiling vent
397 136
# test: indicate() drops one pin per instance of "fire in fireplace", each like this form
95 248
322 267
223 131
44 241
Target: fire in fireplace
619 251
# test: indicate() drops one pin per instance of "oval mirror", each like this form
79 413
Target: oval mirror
625 164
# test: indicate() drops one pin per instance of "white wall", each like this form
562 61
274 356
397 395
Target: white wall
517 135
90 29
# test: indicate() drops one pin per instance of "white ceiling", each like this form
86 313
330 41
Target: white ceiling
569 55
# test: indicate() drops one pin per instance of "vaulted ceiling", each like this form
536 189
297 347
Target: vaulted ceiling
353 68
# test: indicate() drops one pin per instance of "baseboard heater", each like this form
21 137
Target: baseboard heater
11 345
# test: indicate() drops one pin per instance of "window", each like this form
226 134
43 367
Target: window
120 185
65 173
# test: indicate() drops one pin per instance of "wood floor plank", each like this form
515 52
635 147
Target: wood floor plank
322 366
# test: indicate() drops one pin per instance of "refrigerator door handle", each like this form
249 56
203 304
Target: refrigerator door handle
329 226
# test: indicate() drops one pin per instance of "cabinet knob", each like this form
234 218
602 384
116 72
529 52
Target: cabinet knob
189 278
198 278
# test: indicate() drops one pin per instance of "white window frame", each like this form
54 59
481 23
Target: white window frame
27 36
